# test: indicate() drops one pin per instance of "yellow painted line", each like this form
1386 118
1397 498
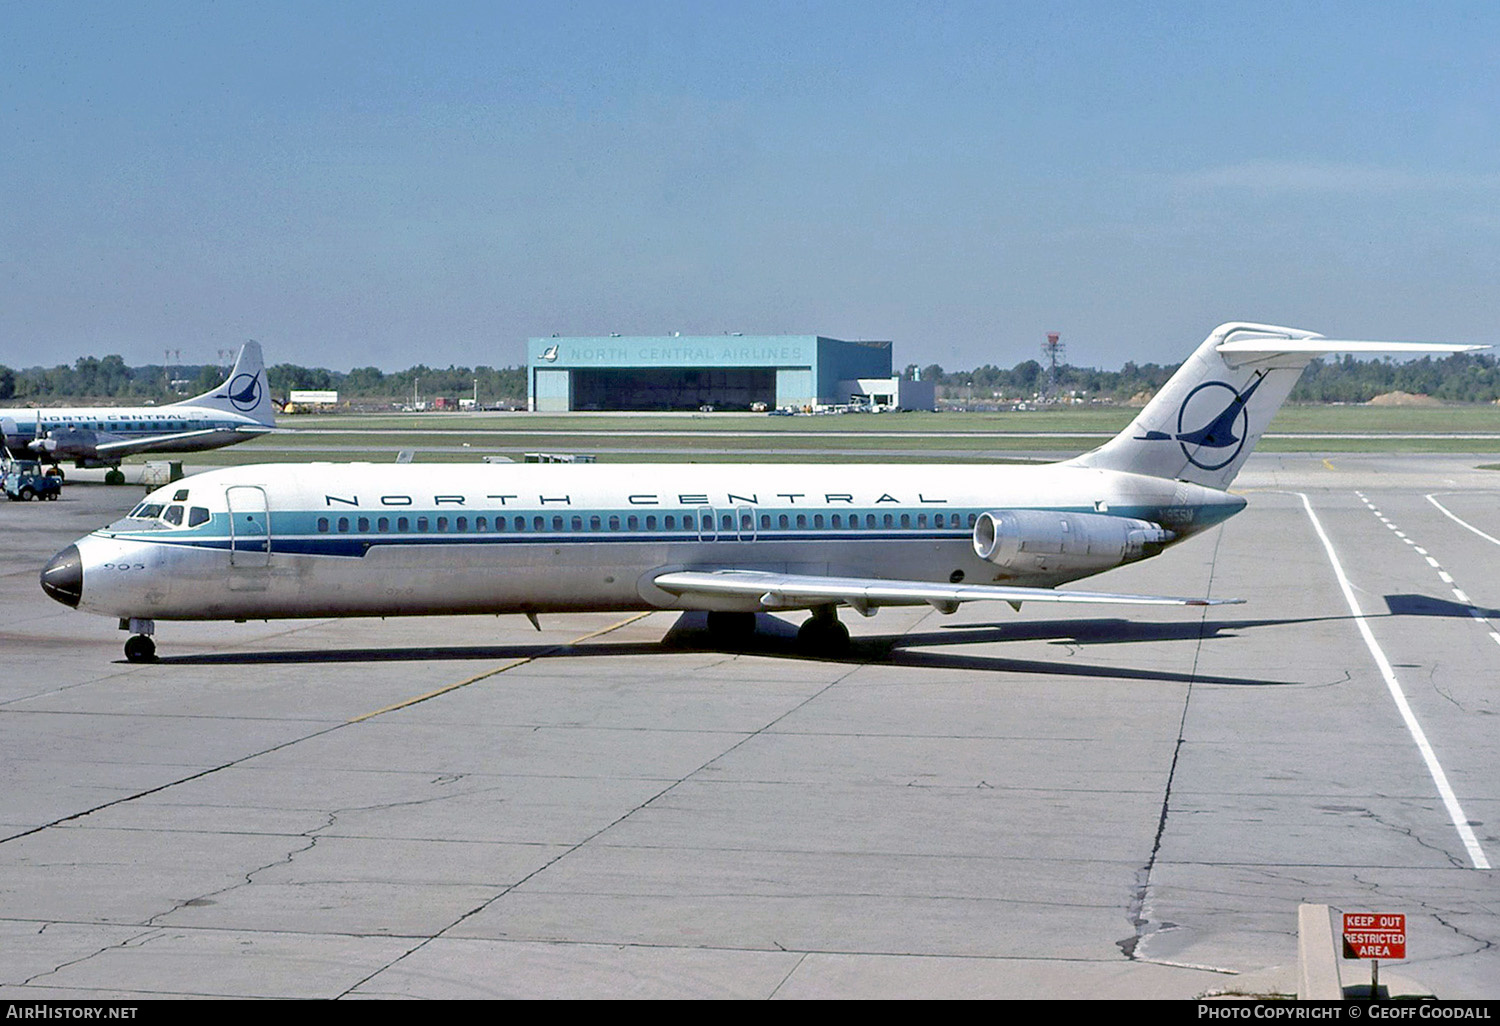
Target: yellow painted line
500 669
1329 465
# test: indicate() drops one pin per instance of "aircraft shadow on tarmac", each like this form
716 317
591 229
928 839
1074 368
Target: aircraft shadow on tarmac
777 638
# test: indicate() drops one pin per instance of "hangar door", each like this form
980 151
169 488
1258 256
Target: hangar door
553 391
673 388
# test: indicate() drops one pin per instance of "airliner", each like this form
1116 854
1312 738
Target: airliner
326 540
99 436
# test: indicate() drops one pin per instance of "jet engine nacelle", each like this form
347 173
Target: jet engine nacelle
1034 539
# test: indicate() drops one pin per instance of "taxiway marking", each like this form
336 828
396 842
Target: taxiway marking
1419 736
499 669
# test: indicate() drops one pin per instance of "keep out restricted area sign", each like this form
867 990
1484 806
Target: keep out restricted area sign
1374 935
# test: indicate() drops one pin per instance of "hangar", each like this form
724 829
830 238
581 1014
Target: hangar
688 372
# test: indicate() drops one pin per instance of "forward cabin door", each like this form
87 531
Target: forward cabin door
249 536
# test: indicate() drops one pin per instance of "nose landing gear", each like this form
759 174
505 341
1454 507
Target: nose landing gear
140 648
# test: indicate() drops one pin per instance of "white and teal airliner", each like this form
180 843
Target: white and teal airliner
94 436
330 540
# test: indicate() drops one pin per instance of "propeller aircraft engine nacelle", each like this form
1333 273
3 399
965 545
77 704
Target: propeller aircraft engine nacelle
1035 539
67 443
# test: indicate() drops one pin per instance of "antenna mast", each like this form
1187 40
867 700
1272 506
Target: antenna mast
1053 353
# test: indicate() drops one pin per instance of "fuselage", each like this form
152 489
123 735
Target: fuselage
79 431
359 539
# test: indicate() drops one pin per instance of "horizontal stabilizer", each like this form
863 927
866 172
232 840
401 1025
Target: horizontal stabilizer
802 591
1238 352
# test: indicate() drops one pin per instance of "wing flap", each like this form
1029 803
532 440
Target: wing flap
865 594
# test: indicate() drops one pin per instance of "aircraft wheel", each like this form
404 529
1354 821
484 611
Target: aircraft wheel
140 649
114 477
824 635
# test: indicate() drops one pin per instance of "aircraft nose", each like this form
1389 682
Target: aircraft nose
62 578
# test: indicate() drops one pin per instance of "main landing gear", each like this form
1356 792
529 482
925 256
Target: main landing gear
140 648
731 628
823 633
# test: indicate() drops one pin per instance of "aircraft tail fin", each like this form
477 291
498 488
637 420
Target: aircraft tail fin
246 390
1203 424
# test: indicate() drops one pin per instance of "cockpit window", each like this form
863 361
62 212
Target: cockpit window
197 515
146 511
173 516
180 495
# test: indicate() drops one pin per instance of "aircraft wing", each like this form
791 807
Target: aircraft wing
131 446
865 594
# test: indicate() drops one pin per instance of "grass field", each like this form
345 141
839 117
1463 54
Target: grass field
1107 419
907 437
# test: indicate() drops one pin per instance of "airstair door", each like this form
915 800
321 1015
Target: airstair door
249 527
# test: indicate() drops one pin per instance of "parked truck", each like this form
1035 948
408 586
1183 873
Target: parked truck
25 480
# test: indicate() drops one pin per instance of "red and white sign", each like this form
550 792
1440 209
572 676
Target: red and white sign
1374 935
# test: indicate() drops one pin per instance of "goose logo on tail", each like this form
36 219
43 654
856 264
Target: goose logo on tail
1222 432
243 392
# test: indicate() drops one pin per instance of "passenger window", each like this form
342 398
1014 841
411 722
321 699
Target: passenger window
671 521
557 523
442 523
906 520
197 515
421 524
173 516
383 524
818 520
323 525
403 524
783 522
594 523
614 523
343 525
364 524
461 525
838 521
631 523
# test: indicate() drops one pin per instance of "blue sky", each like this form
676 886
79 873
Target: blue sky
387 184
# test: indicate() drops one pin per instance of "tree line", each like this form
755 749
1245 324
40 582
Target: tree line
1463 377
109 378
